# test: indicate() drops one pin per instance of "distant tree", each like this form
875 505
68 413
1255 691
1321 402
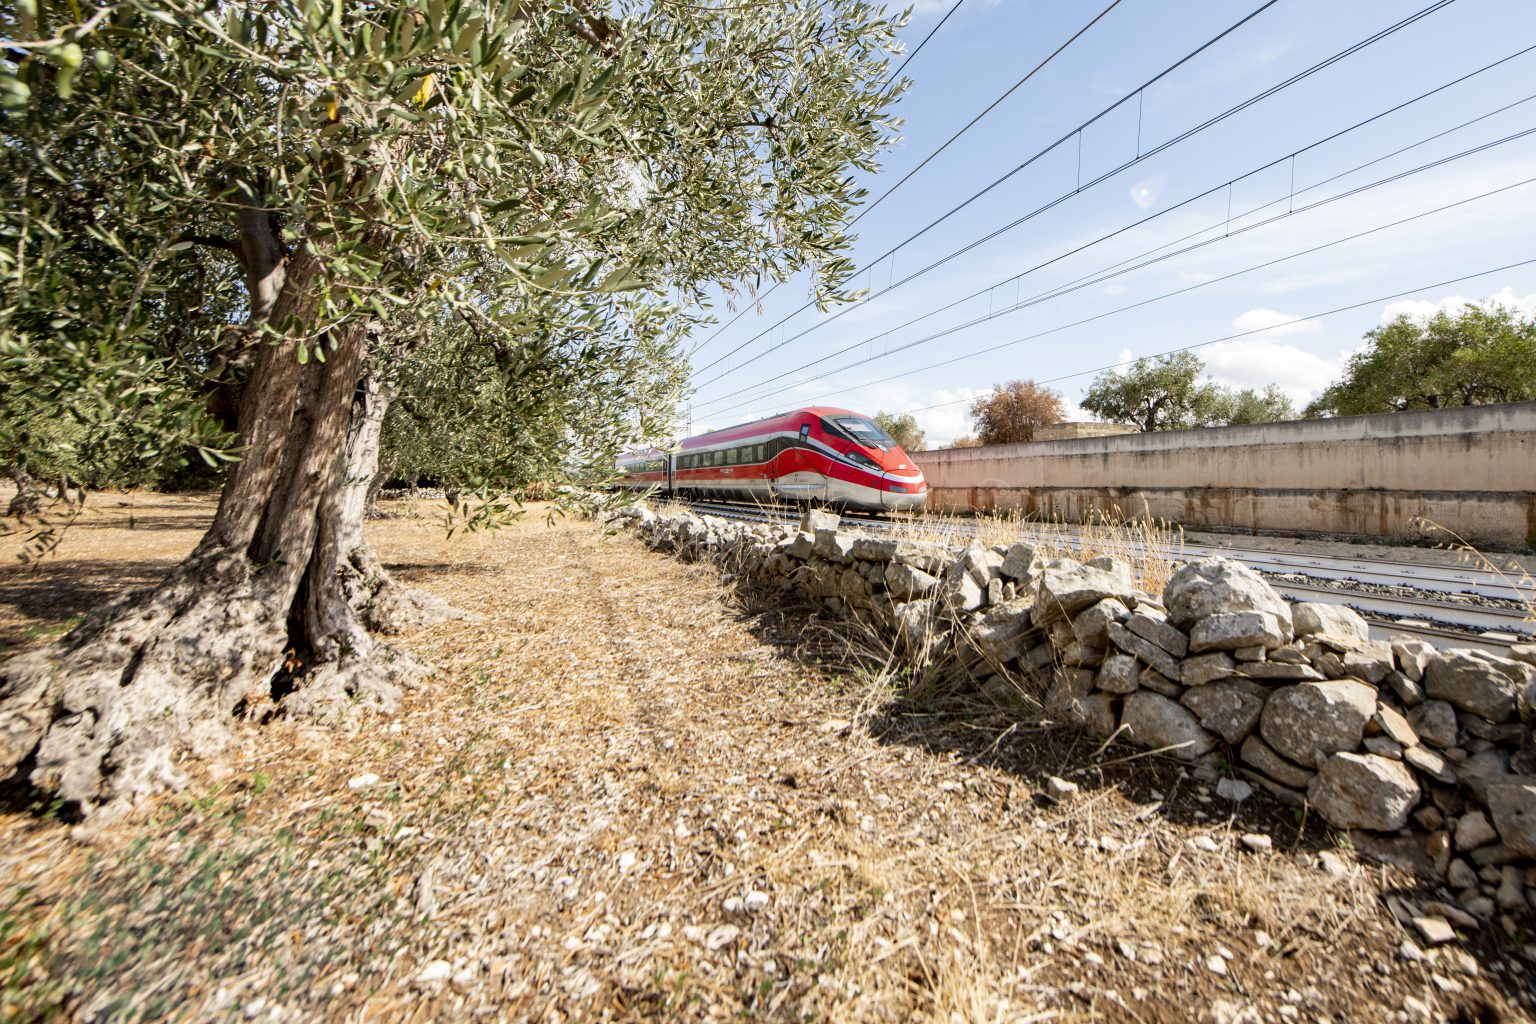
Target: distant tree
1013 410
964 442
1163 393
1485 353
1271 405
903 429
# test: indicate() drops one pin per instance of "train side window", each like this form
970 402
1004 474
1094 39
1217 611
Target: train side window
805 431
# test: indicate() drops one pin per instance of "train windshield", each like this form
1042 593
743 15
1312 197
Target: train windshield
866 432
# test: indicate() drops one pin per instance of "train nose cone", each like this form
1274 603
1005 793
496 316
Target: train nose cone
902 493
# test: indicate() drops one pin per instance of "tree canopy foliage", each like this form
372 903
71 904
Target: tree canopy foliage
243 229
1013 411
903 429
1167 392
1479 354
508 173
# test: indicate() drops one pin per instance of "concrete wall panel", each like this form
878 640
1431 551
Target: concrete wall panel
1472 469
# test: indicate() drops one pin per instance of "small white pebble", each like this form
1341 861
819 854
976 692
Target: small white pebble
756 900
434 972
1258 842
627 860
1216 965
363 781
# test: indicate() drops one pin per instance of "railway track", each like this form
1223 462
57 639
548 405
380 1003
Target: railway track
1488 616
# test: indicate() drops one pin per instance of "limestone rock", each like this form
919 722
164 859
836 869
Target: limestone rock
1279 671
833 546
1070 699
1412 656
1152 679
907 581
1155 721
1206 668
1022 562
1430 763
1066 588
1435 723
1390 721
962 593
1118 674
1230 631
818 519
1309 721
1157 630
1473 829
1146 650
1091 626
1215 585
915 624
1480 683
802 546
1408 691
1364 791
1513 808
1257 753
1332 624
1227 708
1004 637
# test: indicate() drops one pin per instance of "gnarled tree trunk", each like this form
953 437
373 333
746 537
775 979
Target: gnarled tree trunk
274 603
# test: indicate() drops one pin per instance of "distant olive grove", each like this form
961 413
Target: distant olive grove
1477 355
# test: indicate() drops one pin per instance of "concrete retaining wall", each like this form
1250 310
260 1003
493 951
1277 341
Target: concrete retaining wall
1470 469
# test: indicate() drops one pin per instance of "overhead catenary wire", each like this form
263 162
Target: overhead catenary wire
1056 293
1331 137
946 144
1257 330
1078 187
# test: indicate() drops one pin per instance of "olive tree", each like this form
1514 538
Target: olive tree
1479 354
557 177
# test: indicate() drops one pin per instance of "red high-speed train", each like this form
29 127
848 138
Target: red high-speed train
817 454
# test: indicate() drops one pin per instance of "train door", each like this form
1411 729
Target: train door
671 460
803 480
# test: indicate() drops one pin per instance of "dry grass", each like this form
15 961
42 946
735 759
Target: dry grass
575 812
1150 546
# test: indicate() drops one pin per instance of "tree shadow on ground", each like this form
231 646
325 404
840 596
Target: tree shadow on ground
952 718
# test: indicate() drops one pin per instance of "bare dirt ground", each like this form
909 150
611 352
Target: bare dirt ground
632 794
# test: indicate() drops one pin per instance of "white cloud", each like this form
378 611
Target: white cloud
1115 289
1272 322
1453 303
1260 361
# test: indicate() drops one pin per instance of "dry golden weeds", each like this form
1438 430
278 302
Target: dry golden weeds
578 813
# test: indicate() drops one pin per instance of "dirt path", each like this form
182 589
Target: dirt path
627 795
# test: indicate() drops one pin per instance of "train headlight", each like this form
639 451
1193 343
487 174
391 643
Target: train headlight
860 459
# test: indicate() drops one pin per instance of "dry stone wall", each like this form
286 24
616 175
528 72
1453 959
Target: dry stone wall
1426 756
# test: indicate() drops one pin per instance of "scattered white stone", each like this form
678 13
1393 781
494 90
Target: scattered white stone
1216 965
627 860
1205 843
721 937
733 905
1257 842
434 973
366 780
1232 789
756 900
1059 789
1436 930
1333 863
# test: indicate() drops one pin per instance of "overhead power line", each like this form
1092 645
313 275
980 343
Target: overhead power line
1290 157
971 124
1260 330
1080 187
1100 277
1192 287
919 47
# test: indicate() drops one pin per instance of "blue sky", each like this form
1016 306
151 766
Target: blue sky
989 44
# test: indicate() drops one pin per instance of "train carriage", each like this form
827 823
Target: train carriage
816 454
